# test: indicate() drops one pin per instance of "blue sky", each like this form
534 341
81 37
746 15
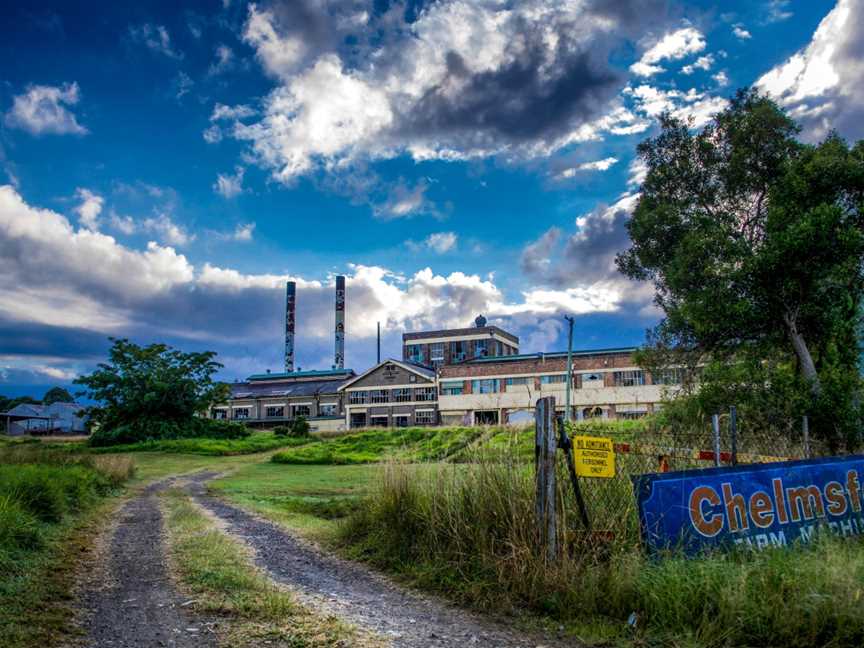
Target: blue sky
166 167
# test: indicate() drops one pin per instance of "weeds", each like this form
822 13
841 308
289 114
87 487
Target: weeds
257 442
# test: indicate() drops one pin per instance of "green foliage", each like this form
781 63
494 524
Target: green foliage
7 404
371 446
257 442
57 395
153 392
151 430
300 427
726 218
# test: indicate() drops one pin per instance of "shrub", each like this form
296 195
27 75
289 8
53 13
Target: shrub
19 529
300 427
157 430
282 430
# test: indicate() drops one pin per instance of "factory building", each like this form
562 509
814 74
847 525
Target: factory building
393 393
451 346
268 400
605 383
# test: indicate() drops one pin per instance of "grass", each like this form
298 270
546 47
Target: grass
217 571
256 442
51 504
309 499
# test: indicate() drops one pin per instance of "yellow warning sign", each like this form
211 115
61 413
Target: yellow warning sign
594 456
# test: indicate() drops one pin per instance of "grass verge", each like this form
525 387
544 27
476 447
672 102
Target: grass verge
217 571
256 442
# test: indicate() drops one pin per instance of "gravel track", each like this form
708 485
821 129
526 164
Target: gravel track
135 604
355 594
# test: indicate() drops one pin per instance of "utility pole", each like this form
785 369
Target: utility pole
379 342
569 366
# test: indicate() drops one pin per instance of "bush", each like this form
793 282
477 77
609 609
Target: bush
154 431
300 427
19 529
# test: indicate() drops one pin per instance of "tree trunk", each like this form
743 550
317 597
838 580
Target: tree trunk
808 368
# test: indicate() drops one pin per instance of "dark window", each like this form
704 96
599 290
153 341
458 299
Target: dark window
379 396
458 351
358 397
424 417
301 410
424 394
402 395
481 348
485 386
415 353
241 413
220 414
451 388
629 378
519 381
558 378
328 409
275 410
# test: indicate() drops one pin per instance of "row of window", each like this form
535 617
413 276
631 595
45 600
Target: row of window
459 351
398 395
278 411
633 378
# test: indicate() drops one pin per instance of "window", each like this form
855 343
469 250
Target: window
302 410
241 413
629 378
424 394
402 395
458 351
481 348
358 397
424 417
436 354
519 381
220 414
415 353
486 386
631 414
451 388
558 378
670 376
378 421
379 396
275 410
328 409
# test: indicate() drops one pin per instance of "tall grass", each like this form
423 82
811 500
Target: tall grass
468 530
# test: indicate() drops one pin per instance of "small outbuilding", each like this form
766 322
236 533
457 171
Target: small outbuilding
56 418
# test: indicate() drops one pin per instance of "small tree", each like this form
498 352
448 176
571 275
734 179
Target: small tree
57 395
154 387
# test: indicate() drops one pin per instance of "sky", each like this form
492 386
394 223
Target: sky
165 167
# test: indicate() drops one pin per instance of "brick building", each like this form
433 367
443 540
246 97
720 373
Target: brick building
450 346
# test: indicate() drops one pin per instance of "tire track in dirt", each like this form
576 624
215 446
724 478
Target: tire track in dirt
134 603
356 594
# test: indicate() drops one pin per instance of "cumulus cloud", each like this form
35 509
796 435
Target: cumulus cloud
702 63
156 38
691 105
741 32
596 165
438 242
671 47
822 85
167 230
90 207
462 81
777 11
243 232
156 293
230 185
44 110
224 61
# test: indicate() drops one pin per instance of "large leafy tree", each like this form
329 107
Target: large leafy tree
754 241
155 384
57 395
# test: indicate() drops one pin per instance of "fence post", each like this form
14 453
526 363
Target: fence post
545 445
805 426
733 433
715 423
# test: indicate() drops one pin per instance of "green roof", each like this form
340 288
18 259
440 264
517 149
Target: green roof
550 354
312 373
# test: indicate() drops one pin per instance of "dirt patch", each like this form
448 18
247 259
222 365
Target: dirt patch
356 594
133 603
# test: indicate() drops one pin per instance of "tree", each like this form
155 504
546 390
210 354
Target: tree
149 387
754 241
57 395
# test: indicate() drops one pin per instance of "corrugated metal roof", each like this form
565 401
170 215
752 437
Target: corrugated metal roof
284 388
551 354
302 374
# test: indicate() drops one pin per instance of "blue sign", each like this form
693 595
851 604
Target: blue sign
757 505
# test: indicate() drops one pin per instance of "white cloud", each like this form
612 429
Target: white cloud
823 85
702 63
405 201
223 112
224 60
439 242
653 102
124 224
183 84
741 32
777 11
596 165
212 134
43 110
156 38
279 54
244 231
90 207
168 231
672 47
721 79
228 185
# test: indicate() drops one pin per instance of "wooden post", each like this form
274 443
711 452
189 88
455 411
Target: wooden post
715 423
545 445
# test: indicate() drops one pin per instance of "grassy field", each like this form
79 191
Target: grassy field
256 442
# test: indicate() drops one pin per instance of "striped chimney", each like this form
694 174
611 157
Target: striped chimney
290 308
340 323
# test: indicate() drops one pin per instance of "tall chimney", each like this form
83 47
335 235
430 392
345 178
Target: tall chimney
290 307
340 323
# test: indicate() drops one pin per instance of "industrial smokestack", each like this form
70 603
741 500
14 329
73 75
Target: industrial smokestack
290 307
379 342
340 323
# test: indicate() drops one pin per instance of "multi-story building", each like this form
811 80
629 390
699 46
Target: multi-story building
450 346
605 383
270 399
393 393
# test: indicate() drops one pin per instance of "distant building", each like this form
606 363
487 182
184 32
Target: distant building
451 346
271 399
393 393
56 418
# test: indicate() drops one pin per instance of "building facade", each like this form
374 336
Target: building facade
393 393
267 400
56 418
436 349
605 383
